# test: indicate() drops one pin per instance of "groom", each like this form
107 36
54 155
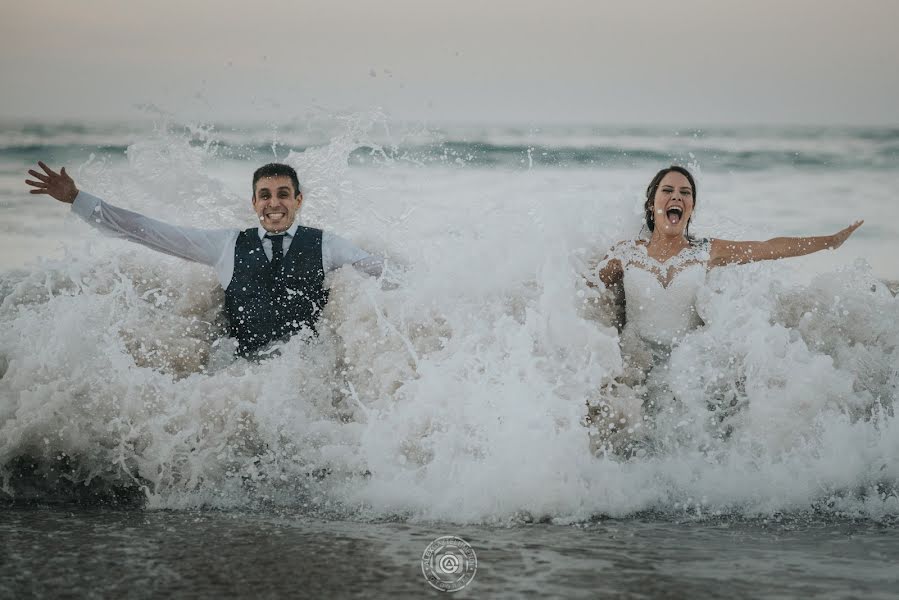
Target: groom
273 274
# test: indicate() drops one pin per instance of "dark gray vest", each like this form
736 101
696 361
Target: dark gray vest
260 310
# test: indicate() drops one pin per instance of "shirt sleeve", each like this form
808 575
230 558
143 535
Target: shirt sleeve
338 251
204 246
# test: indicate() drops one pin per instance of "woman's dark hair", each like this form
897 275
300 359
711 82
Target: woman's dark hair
276 170
651 194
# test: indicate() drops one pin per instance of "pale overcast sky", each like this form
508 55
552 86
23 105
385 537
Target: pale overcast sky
671 62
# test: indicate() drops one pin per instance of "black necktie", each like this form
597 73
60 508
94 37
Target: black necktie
277 256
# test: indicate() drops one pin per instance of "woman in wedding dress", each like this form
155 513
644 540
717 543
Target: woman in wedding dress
660 278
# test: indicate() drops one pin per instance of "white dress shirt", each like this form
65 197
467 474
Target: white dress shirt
214 247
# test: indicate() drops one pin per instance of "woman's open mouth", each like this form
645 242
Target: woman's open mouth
674 214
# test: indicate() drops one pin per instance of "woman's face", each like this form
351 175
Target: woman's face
673 204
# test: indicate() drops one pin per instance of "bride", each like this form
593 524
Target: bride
660 278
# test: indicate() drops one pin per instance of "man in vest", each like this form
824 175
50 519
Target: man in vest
273 275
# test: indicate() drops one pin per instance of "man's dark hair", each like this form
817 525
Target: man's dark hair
276 170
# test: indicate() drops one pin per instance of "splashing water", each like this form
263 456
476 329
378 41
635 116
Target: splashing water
458 394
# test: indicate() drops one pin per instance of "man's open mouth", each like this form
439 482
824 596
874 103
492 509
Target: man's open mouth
674 214
275 215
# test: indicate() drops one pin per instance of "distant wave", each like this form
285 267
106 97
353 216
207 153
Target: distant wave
27 150
483 154
504 147
506 155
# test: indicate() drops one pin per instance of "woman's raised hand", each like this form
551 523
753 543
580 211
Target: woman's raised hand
841 236
58 185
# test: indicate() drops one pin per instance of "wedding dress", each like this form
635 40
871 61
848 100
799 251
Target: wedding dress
660 309
660 296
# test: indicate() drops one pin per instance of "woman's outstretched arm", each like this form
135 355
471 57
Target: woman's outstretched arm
727 252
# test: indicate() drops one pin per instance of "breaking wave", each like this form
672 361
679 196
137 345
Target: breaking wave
457 387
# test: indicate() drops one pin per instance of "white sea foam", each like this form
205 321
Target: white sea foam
458 393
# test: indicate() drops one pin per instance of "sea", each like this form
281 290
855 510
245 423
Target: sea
450 396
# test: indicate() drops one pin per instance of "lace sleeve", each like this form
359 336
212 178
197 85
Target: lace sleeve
623 252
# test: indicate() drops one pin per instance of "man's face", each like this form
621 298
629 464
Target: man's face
276 203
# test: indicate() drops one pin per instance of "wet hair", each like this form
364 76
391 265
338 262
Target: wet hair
276 170
651 194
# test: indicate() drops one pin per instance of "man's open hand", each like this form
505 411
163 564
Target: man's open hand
59 185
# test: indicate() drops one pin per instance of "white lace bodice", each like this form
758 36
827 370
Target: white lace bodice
660 297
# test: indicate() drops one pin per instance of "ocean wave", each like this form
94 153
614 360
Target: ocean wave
481 154
720 148
466 411
484 155
458 394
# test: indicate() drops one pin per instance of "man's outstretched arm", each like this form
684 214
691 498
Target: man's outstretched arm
204 246
58 185
338 251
